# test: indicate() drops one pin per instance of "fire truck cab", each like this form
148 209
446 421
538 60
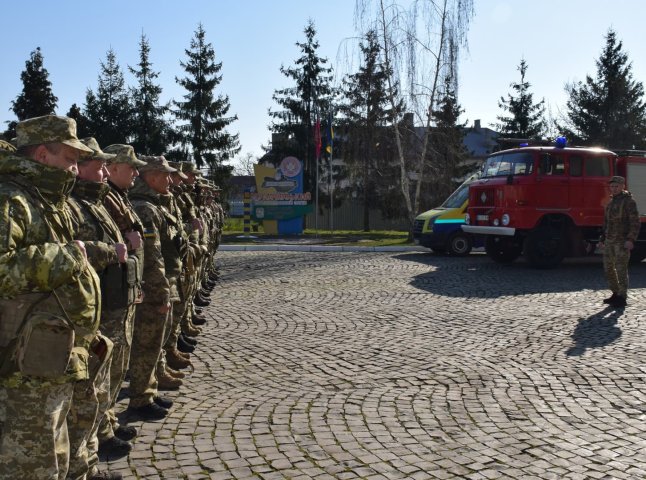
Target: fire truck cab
548 203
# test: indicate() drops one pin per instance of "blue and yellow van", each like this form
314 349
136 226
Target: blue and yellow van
440 229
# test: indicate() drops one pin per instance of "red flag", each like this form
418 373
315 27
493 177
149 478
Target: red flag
317 138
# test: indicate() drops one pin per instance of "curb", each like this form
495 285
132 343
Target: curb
316 248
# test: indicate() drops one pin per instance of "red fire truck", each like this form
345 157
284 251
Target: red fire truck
548 203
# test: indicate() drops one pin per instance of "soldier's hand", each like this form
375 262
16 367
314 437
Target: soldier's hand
122 252
81 246
629 245
198 225
133 238
164 308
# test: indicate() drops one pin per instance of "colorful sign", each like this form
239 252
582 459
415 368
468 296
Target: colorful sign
280 202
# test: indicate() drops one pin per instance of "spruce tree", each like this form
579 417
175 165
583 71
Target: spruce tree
607 110
108 110
366 112
206 115
82 129
525 118
150 132
311 96
36 98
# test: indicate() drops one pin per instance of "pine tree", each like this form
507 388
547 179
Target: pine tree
151 131
609 109
82 129
366 112
108 110
526 119
447 147
206 115
36 98
311 96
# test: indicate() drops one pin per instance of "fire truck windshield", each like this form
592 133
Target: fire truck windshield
514 163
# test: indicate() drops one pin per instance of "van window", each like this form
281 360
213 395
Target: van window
552 164
457 198
576 166
597 167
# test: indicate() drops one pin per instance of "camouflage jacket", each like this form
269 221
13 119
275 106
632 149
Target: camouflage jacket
160 271
621 220
93 224
122 211
41 268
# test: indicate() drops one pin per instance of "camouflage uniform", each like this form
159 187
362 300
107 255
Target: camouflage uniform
122 212
49 306
160 275
621 223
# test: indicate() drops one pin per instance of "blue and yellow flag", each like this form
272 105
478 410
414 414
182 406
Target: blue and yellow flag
329 135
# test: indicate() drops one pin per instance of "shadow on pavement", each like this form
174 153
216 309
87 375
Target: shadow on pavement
478 276
596 331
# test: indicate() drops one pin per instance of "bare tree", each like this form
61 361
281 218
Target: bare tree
420 43
244 164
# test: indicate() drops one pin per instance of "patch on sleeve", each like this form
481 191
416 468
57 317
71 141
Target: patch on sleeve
149 233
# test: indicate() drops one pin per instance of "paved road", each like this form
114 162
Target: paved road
407 365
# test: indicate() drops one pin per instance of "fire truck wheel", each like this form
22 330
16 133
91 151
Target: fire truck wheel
544 248
502 249
459 244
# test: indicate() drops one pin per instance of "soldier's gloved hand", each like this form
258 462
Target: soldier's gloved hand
629 245
81 246
122 252
198 225
133 238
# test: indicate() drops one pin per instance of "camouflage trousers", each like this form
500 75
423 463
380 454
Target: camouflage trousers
615 265
173 331
90 401
147 342
122 339
33 432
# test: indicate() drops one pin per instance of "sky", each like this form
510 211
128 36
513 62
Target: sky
559 40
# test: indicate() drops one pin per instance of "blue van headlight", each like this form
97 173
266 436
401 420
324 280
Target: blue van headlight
505 219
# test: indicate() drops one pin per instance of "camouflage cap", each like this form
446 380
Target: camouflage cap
190 167
124 154
178 166
617 179
98 153
49 129
157 163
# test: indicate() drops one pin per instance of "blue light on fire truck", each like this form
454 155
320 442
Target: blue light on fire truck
560 142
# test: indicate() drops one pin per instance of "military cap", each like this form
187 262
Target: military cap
124 154
6 146
178 166
49 129
98 153
617 179
157 163
190 167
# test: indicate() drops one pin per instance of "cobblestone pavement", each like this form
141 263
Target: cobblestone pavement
406 365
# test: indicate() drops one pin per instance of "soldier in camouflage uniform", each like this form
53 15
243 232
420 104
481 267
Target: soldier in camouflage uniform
108 254
122 169
161 270
620 230
49 299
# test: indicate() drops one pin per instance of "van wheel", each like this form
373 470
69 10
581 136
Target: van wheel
459 244
544 247
502 249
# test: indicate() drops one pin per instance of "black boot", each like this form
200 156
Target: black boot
198 319
184 347
201 302
152 411
126 432
619 302
610 300
190 340
163 402
115 448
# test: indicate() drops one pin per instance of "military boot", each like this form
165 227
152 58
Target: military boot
201 301
115 448
198 319
189 340
125 432
106 476
190 330
611 299
166 382
183 346
174 373
175 360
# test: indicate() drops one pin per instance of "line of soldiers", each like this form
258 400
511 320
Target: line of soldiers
105 259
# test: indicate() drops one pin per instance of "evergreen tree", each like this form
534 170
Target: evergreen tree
447 147
609 109
205 114
366 113
151 131
525 118
36 98
311 96
108 110
82 129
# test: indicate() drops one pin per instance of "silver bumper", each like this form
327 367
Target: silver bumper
482 230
